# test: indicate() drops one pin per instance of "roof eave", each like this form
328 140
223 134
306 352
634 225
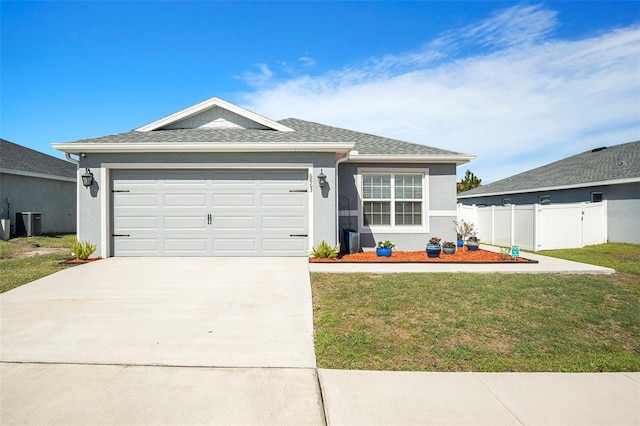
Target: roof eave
411 158
554 188
77 148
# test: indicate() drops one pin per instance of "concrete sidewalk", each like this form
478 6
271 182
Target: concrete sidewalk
407 398
545 265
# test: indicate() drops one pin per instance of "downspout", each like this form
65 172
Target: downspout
67 155
337 172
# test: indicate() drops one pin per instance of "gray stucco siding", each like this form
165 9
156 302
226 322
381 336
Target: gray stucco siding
54 198
92 216
440 205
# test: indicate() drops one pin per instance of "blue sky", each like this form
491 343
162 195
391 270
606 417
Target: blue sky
517 84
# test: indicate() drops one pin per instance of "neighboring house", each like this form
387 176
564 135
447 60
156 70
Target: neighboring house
607 173
219 180
31 181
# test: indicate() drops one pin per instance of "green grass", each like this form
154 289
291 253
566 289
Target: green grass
16 271
619 256
477 322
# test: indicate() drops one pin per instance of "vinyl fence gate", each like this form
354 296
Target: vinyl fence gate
539 227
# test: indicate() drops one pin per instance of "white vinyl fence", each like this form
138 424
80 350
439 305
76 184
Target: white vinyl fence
537 227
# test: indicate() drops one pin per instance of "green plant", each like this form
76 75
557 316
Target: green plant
505 253
473 240
435 240
325 251
449 244
386 244
464 229
83 250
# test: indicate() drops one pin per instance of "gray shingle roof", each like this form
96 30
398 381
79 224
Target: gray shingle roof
597 165
304 131
17 157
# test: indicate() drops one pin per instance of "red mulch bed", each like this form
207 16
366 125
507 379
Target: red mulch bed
75 261
460 256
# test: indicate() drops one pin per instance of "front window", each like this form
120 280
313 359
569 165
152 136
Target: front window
392 199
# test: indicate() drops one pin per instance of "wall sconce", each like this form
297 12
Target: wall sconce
87 178
322 179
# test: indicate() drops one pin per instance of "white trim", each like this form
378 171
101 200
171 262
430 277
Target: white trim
210 103
433 213
381 229
104 207
105 187
168 166
459 159
555 188
37 175
77 148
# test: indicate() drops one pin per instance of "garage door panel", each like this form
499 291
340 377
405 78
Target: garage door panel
185 200
210 213
136 246
135 200
291 223
233 200
191 246
292 199
185 223
130 223
246 223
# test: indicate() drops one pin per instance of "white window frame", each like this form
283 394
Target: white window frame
393 229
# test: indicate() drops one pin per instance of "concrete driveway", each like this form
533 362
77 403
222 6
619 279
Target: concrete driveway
206 312
124 340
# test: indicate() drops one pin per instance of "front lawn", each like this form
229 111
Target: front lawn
18 267
477 322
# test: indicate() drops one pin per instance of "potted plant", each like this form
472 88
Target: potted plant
449 247
433 247
385 248
473 243
464 230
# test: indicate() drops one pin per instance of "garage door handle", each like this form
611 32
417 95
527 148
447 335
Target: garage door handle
209 219
120 235
297 190
298 235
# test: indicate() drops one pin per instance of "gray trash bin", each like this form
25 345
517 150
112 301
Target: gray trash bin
351 241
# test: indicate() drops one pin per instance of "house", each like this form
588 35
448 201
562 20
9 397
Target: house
215 179
31 181
608 173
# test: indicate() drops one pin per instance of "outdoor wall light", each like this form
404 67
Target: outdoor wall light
322 179
87 178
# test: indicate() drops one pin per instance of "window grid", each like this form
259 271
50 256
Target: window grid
400 207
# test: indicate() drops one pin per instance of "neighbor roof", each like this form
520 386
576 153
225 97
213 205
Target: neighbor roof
17 159
600 166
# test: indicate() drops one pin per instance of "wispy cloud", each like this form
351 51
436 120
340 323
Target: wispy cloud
503 89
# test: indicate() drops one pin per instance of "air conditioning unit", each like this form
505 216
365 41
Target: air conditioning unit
28 224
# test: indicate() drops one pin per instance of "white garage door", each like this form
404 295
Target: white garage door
210 213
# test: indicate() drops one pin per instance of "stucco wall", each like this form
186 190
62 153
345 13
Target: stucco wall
441 194
92 206
623 209
55 199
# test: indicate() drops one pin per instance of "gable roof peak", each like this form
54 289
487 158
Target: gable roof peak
209 104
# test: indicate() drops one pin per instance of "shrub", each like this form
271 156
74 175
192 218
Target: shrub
324 251
386 244
449 244
435 240
83 250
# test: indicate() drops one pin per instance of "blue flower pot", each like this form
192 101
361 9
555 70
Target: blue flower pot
460 243
472 247
383 252
433 250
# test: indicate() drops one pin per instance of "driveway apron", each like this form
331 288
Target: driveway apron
214 312
161 341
